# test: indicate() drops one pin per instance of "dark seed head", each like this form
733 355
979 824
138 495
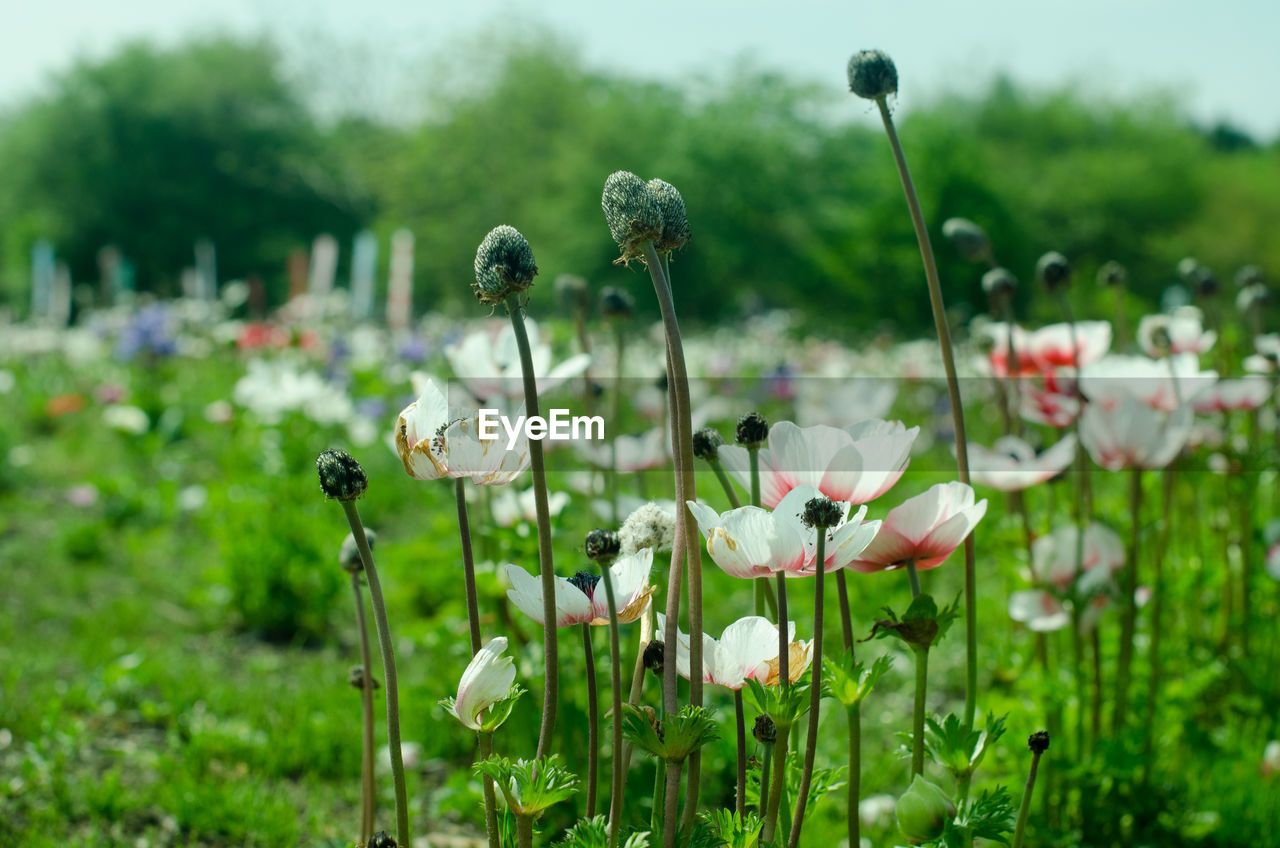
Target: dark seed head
1249 275
999 283
706 443
341 477
1053 271
675 218
765 732
821 512
585 582
872 74
1112 274
654 654
349 554
616 303
504 265
382 839
602 546
969 239
1038 742
356 678
572 291
752 430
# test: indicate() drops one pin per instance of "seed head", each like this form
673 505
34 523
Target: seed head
616 303
1038 742
504 265
1249 275
1112 274
650 526
872 74
602 546
752 430
572 292
585 582
706 444
969 239
349 553
675 218
632 212
821 512
382 839
655 656
341 477
765 731
999 283
1053 271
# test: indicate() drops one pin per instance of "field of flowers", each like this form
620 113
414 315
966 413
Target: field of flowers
1013 584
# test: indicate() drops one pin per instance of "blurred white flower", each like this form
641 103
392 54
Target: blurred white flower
1011 464
488 362
1128 433
126 419
1183 330
509 507
436 441
580 599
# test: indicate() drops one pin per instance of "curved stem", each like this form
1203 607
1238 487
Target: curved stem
815 694
957 409
388 671
468 564
593 722
538 468
368 790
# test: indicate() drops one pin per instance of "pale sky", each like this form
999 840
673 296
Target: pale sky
1223 58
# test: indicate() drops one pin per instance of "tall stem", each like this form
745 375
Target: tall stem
1157 623
776 784
538 468
740 721
490 796
368 790
854 820
388 670
468 564
1130 608
815 694
763 800
1024 810
724 482
922 684
671 804
957 410
593 721
617 764
846 620
524 830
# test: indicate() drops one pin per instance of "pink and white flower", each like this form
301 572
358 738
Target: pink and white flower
1128 433
1056 345
487 680
1011 465
1230 395
925 528
581 599
1047 406
746 650
435 441
855 464
1184 330
1158 383
1053 555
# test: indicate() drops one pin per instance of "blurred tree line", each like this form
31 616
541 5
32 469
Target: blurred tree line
792 195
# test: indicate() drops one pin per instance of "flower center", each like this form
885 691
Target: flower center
585 582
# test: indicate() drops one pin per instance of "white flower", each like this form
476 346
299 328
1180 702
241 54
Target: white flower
1011 464
743 651
435 441
1039 610
581 599
1130 434
126 419
488 363
1159 383
926 528
509 507
1184 329
486 681
1053 555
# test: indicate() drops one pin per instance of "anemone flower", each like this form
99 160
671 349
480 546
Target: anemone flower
1011 465
743 651
435 441
1182 331
1063 346
577 600
1044 612
1130 434
1053 555
855 464
753 542
1159 383
926 529
1047 406
510 507
997 362
635 453
486 681
487 361
1229 395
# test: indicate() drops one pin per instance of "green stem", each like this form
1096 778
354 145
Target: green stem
753 456
524 830
670 817
917 712
468 564
957 409
815 693
846 620
368 790
1129 607
740 720
615 673
1024 809
1157 624
490 796
593 721
853 819
659 797
765 762
546 563
388 670
776 784
725 483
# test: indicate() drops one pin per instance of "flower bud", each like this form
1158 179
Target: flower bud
341 477
603 546
572 291
504 265
1112 274
706 444
999 283
1188 269
356 678
821 512
923 811
1249 275
872 74
1053 271
1154 333
632 212
1206 283
675 218
349 553
752 430
616 303
969 240
1038 742
382 839
765 731
654 656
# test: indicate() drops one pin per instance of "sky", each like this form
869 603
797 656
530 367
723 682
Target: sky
1220 59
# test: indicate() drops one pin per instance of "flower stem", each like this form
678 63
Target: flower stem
1130 606
852 816
368 791
922 684
815 694
1024 809
725 484
671 804
490 796
468 564
593 721
524 830
388 670
617 765
846 620
538 468
1157 624
619 345
740 719
765 762
776 784
957 409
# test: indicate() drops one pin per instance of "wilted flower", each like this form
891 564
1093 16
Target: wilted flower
1011 464
649 526
580 599
434 441
486 681
926 528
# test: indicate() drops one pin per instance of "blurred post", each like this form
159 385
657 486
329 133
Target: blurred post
60 295
364 270
400 286
324 266
207 269
297 273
